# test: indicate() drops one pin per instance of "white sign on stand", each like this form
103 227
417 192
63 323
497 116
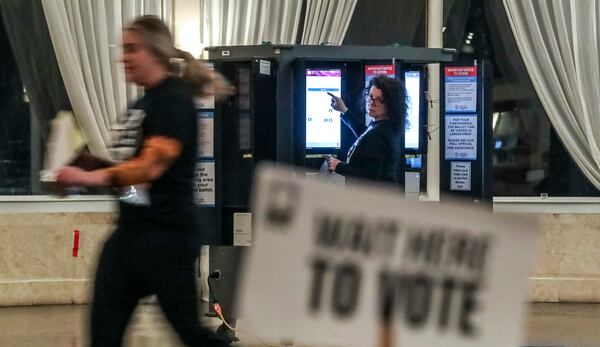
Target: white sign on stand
461 136
460 175
265 67
242 229
206 134
204 183
358 266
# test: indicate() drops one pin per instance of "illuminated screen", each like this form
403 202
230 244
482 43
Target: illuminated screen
322 122
414 163
412 82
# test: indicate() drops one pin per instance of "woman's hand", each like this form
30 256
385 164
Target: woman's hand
338 104
333 163
70 176
73 176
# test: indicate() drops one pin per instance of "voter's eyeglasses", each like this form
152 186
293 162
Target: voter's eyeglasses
377 101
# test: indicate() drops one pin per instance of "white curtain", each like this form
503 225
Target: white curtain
86 37
250 22
559 42
326 21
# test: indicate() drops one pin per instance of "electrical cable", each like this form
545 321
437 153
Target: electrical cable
216 275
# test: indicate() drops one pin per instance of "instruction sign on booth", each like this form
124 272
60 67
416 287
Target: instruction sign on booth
357 266
461 136
461 89
204 183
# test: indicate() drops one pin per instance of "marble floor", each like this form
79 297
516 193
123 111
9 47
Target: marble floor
53 326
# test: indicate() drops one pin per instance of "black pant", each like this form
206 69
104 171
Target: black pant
126 273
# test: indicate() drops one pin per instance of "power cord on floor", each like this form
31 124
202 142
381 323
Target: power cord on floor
215 275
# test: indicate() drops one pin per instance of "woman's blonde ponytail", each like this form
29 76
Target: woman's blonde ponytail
158 39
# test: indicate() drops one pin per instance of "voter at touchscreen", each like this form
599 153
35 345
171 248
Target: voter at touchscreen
376 152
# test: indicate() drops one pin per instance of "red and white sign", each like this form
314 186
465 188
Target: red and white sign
462 71
374 70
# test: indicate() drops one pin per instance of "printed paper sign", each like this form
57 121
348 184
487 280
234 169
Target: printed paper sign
204 184
461 89
461 136
206 135
460 175
264 67
362 267
242 229
373 70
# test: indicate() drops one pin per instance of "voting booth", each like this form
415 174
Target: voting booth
282 112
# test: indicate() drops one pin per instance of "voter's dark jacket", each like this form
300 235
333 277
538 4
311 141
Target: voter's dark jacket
376 154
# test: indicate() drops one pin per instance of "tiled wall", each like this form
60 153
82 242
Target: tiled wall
568 259
36 262
37 266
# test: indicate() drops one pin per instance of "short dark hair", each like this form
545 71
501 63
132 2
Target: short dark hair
394 96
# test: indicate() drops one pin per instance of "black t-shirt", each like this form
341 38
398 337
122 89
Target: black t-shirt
167 110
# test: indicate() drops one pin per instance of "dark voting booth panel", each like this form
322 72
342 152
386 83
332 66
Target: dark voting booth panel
224 268
245 135
282 110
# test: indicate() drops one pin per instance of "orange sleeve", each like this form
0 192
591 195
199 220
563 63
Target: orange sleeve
157 154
